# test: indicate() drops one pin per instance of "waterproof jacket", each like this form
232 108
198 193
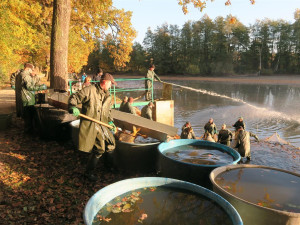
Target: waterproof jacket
122 106
18 86
243 142
13 78
239 124
224 136
187 134
210 128
151 75
128 108
29 85
147 112
96 103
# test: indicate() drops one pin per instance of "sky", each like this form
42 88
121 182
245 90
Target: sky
154 13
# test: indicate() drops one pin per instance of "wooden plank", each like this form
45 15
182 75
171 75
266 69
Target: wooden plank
148 127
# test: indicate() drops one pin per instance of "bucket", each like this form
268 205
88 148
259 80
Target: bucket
100 199
195 173
259 192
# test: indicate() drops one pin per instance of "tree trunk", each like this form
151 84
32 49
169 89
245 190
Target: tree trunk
59 45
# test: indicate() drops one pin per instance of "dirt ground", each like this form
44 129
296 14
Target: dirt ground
41 182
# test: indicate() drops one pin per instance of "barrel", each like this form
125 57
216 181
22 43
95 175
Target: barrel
195 173
253 212
52 123
105 195
136 156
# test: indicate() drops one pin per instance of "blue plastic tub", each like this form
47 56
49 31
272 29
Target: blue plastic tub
195 173
105 195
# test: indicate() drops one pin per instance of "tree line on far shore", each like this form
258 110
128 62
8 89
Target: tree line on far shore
214 47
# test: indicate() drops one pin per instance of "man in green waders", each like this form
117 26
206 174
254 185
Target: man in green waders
243 142
28 86
224 136
151 75
94 138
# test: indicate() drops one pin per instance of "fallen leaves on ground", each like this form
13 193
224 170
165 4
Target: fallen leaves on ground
41 182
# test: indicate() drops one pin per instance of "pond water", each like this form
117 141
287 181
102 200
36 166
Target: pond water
264 187
199 155
161 206
266 109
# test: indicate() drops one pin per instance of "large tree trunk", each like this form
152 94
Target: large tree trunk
59 45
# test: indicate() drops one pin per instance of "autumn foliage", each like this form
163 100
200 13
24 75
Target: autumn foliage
25 28
41 182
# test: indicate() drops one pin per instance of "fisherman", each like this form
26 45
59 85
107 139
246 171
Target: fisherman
151 75
147 111
29 84
224 136
128 108
13 81
123 103
87 82
210 127
239 123
243 142
93 138
187 131
83 77
97 77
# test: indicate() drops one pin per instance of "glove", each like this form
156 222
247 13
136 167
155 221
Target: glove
75 111
114 129
43 87
13 87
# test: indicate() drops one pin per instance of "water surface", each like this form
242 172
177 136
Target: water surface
161 206
264 187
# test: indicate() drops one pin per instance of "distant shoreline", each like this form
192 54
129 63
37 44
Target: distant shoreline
280 80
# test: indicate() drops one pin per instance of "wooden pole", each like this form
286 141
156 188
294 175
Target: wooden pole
96 121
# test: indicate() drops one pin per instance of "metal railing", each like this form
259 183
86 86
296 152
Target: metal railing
113 90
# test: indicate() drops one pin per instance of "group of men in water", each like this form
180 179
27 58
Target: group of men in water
225 136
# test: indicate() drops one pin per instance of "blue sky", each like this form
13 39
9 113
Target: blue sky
153 13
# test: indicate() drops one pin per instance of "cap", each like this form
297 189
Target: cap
241 117
108 76
29 65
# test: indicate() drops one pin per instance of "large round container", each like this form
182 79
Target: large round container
127 156
136 157
258 213
52 123
196 173
105 195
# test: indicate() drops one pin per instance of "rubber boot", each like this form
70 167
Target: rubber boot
91 165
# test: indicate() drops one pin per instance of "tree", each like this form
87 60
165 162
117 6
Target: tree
59 44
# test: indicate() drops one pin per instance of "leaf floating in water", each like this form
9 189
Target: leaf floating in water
103 218
227 187
142 218
152 188
294 182
126 206
116 209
